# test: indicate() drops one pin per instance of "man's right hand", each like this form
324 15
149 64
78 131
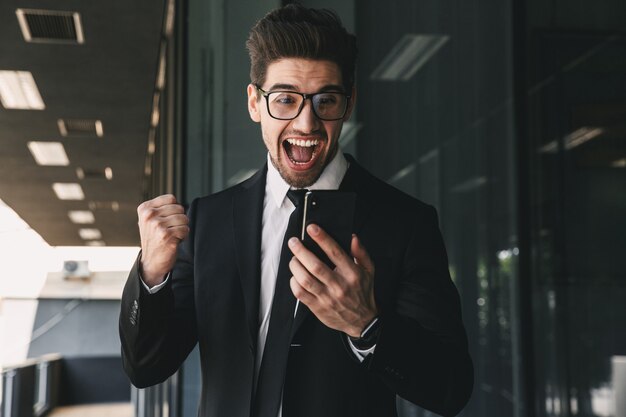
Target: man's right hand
162 226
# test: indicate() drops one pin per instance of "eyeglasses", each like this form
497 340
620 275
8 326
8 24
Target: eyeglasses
287 105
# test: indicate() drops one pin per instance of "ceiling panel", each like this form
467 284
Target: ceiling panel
111 77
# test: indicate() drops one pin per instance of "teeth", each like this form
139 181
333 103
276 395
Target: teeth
303 143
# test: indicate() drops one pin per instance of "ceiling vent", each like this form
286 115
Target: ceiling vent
94 174
50 26
80 127
104 205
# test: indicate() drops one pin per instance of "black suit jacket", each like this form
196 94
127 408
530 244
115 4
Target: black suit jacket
212 299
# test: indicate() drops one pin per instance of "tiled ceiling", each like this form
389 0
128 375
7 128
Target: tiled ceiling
108 79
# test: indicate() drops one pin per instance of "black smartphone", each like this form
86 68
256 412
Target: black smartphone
333 211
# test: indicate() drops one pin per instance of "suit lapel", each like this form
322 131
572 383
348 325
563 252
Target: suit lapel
247 223
354 181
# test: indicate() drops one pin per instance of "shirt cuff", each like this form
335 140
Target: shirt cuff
360 354
156 288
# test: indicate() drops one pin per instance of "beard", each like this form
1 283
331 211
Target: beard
301 165
299 179
303 179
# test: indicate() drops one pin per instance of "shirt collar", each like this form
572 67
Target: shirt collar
330 179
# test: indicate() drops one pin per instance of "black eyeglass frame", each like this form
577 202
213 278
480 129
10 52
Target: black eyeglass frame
304 98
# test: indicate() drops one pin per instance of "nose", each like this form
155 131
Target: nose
307 121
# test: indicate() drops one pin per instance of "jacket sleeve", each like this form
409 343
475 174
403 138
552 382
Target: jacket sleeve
422 351
158 331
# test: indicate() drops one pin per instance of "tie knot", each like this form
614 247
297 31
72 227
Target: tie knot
297 196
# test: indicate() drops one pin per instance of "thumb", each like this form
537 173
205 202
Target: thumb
360 255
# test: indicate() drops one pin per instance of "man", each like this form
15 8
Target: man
384 322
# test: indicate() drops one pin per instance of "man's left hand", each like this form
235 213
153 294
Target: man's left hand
343 298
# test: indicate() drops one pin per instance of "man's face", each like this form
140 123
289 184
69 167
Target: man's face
302 147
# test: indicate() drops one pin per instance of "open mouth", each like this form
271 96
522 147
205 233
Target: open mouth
301 152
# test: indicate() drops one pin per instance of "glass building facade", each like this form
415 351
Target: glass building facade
510 118
575 119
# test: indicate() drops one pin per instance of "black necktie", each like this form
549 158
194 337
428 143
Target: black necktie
274 363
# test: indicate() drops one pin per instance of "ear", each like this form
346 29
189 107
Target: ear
254 103
351 104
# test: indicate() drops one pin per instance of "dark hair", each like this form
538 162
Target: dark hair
294 31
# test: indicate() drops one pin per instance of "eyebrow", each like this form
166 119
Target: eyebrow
291 87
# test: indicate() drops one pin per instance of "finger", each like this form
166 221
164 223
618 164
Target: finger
332 249
174 220
170 209
160 201
174 234
179 232
311 262
305 279
301 293
147 212
361 257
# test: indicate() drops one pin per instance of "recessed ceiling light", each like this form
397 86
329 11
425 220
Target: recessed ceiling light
408 56
620 163
573 139
403 172
469 185
171 14
18 90
154 119
81 216
48 153
95 243
151 141
89 234
160 84
68 191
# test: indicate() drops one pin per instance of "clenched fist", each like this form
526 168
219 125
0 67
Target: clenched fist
162 225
